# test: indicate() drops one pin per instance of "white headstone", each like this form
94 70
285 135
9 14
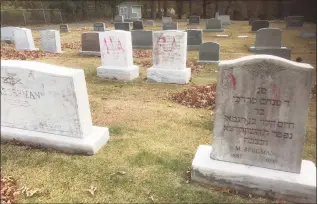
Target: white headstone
51 41
117 56
47 105
23 39
169 57
7 33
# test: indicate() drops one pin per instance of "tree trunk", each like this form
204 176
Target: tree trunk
190 7
204 8
216 7
179 4
159 9
165 7
228 7
153 9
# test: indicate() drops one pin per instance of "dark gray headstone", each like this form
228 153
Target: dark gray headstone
170 26
194 39
308 34
251 20
295 21
99 26
119 19
209 52
194 20
141 39
90 41
122 26
258 24
64 28
268 38
138 25
214 25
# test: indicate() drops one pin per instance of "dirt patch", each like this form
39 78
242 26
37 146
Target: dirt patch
9 191
73 45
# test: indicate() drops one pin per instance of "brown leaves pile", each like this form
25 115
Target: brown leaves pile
9 192
195 66
142 53
314 90
74 45
202 96
8 52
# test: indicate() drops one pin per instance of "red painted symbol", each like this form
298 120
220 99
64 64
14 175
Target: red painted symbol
275 91
233 80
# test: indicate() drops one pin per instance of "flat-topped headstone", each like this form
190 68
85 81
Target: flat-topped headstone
90 44
194 39
259 130
170 26
141 39
23 39
295 21
194 20
119 19
209 52
251 20
166 19
122 26
117 56
51 41
47 105
64 28
99 26
150 23
213 25
138 25
7 34
169 58
308 34
225 19
259 24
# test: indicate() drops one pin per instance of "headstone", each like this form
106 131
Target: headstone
213 25
209 52
64 28
117 56
23 39
134 17
251 20
259 130
225 19
169 56
170 26
194 20
122 26
119 19
194 39
166 19
308 34
138 25
295 21
150 23
268 41
217 14
99 26
47 105
90 44
51 41
7 34
141 39
259 24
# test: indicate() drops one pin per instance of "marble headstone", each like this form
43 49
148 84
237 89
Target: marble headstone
138 25
47 105
7 34
64 28
23 39
259 24
51 41
213 25
141 39
122 26
209 52
99 26
90 44
225 19
194 39
170 26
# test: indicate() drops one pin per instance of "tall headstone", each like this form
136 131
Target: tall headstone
51 41
194 39
122 26
209 52
295 21
47 105
166 19
169 56
138 25
90 44
213 25
259 24
64 28
225 19
119 19
259 130
141 39
170 26
117 56
7 34
268 41
194 20
23 39
251 20
99 26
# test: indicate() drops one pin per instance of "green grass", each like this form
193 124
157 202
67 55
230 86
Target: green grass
153 140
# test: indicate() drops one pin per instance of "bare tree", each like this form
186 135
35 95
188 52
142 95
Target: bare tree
204 4
179 4
228 7
165 7
190 7
153 9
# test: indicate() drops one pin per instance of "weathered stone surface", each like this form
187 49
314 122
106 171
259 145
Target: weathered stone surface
170 26
251 20
64 28
209 52
213 25
225 19
141 39
194 20
47 105
166 19
194 39
119 19
23 39
259 24
90 44
99 26
122 26
257 181
261 113
51 41
282 52
138 25
295 21
7 33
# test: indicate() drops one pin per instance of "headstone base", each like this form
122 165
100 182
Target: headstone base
282 52
126 74
213 30
297 188
89 53
208 62
170 76
193 47
88 145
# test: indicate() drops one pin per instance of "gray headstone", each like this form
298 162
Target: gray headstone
225 19
308 34
251 20
194 20
295 21
261 113
268 38
90 41
166 19
141 39
209 52
214 25
283 52
128 20
138 25
217 14
64 28
194 39
150 23
122 26
258 24
119 19
170 26
134 15
99 26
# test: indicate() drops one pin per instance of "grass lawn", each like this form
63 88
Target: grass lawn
153 140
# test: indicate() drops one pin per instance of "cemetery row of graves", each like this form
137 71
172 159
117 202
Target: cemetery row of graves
125 97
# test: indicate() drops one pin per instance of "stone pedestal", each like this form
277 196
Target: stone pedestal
111 72
172 76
